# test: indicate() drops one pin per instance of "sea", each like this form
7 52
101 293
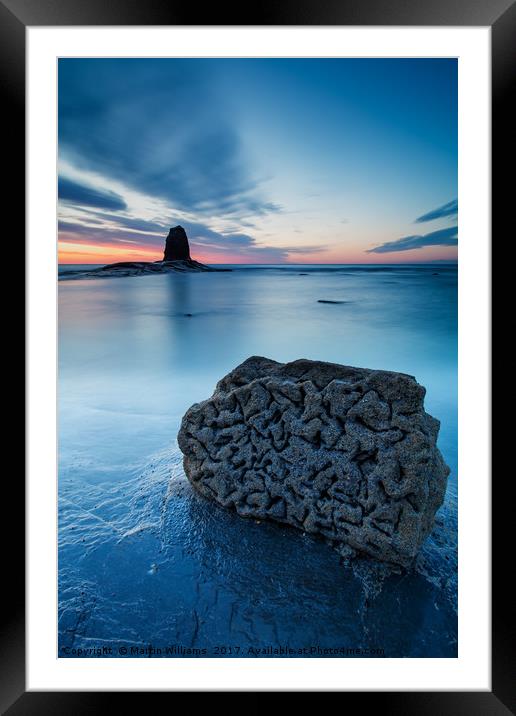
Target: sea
147 567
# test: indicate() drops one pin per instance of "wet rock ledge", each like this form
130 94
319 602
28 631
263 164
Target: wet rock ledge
348 454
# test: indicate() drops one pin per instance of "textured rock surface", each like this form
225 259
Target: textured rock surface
176 245
345 453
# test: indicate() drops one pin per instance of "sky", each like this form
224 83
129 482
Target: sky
261 160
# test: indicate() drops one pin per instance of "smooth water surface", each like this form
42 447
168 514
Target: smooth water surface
144 563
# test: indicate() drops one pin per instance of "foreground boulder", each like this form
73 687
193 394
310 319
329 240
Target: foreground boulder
345 453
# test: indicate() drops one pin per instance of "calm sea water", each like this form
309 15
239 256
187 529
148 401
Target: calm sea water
144 563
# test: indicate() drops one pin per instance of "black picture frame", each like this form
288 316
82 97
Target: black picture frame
15 17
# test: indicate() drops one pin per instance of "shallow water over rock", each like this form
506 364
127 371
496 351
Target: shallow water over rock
147 564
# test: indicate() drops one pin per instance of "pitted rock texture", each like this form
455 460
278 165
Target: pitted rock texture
345 453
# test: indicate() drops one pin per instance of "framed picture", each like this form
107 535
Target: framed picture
258 289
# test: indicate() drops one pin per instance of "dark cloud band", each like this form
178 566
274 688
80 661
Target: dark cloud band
81 195
449 209
441 237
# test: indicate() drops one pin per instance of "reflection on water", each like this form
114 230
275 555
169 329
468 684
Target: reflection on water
143 560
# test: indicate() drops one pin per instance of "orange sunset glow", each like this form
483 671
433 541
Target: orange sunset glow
70 252
77 253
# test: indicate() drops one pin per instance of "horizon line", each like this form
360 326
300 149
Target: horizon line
279 263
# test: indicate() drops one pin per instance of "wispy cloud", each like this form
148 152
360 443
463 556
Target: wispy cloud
135 224
100 234
204 241
80 195
441 237
120 119
449 209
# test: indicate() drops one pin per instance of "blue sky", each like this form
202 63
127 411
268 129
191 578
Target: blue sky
261 160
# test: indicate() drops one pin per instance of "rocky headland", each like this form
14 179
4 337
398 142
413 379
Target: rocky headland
176 259
348 454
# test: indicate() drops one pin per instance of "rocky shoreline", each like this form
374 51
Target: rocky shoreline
139 268
176 259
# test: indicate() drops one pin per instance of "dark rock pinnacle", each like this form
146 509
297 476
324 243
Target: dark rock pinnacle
175 260
176 246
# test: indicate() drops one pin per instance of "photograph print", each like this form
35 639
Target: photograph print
257 316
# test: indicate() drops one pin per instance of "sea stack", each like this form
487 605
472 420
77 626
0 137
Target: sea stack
176 245
345 453
175 260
